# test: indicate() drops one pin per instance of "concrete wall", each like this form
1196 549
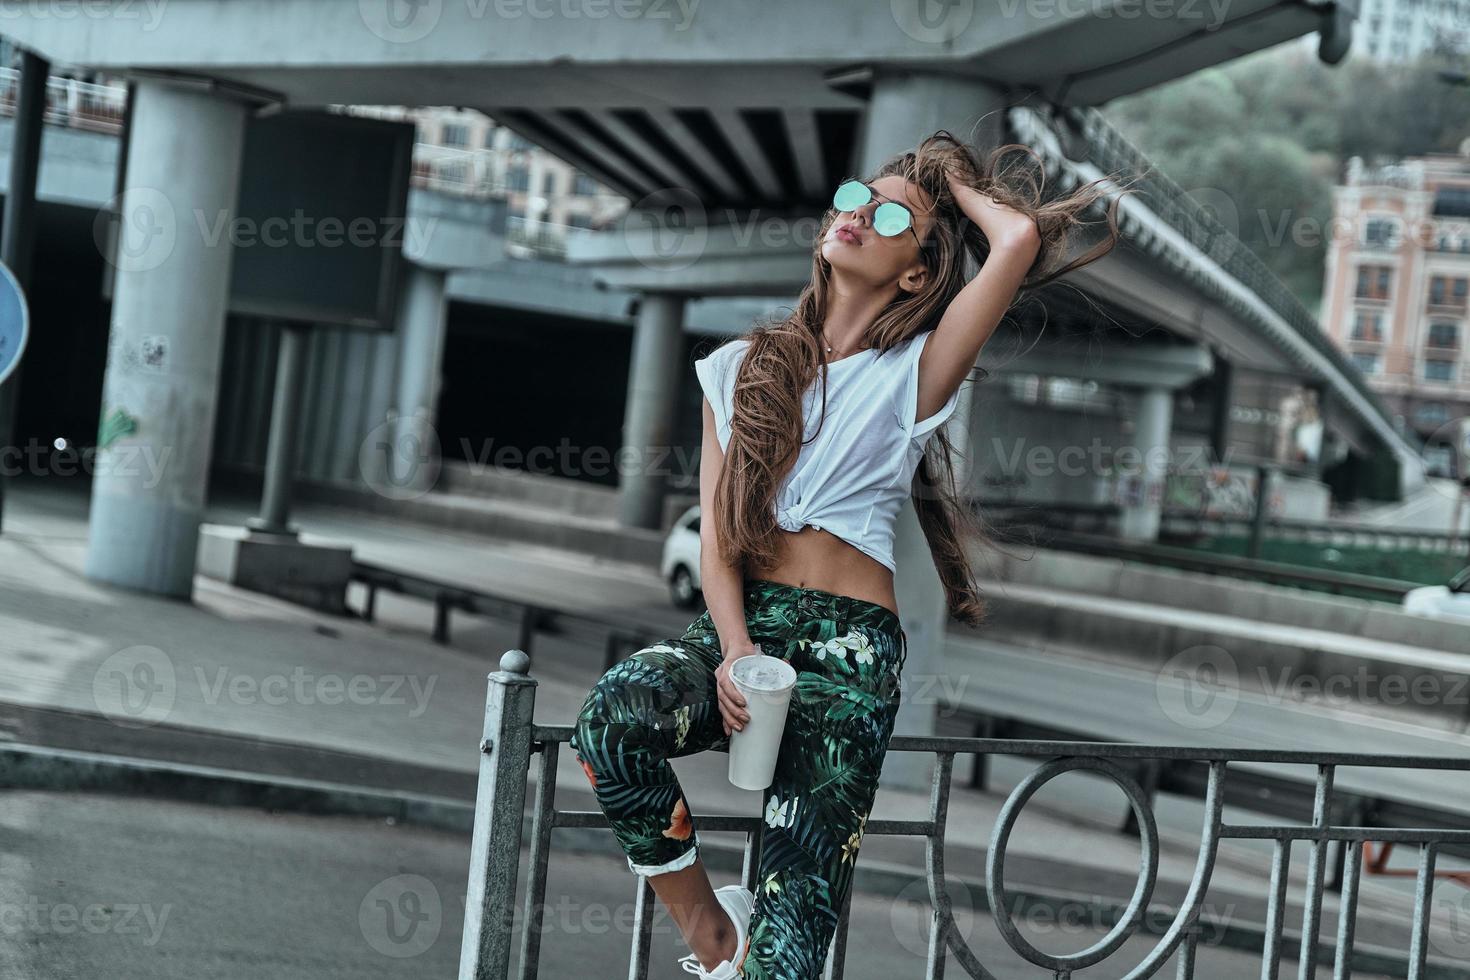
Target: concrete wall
1113 577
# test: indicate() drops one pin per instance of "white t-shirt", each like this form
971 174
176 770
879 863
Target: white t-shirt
851 477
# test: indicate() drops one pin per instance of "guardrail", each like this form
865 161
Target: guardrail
1321 532
71 102
511 738
1102 518
1253 569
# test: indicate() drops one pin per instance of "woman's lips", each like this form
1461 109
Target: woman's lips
848 235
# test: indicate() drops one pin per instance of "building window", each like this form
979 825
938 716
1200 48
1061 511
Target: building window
490 138
1431 413
1439 369
1368 325
583 185
1380 233
1444 291
1367 363
519 142
518 179
548 184
455 134
1443 333
1373 281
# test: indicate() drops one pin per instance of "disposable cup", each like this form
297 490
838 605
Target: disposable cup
766 684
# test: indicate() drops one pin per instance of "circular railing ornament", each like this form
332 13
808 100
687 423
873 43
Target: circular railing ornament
1147 876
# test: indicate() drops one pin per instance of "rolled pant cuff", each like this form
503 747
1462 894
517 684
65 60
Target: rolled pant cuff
677 864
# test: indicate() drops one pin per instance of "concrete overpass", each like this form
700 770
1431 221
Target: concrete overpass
756 107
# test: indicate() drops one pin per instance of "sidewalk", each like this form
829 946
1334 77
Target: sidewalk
255 672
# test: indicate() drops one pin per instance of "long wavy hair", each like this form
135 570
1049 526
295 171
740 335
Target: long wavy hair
786 355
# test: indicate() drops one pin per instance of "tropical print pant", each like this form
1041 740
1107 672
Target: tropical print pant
661 703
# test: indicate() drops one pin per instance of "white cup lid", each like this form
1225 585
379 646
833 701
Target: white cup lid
762 673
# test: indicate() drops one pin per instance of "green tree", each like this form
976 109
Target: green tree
1262 140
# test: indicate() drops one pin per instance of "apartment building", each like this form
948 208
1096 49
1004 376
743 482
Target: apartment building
1398 288
1402 30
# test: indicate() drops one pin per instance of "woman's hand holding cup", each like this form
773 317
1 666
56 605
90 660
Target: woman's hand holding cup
732 702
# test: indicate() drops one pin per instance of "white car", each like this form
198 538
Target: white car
680 565
1450 601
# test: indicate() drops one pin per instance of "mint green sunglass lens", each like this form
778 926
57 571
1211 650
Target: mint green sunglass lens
890 219
851 195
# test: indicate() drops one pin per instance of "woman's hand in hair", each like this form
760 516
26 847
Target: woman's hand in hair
999 222
732 702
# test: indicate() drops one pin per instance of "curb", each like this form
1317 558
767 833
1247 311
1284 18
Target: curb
31 767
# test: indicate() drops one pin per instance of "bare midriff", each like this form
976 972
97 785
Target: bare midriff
813 558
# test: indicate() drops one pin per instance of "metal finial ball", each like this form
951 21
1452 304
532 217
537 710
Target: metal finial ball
515 662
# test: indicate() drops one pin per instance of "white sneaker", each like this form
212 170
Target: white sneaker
737 901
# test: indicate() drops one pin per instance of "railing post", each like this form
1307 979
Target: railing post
495 850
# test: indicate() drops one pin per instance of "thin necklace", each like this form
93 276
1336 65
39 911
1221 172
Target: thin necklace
844 356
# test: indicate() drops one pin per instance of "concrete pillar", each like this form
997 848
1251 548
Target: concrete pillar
168 318
1220 414
648 419
18 234
423 318
904 108
280 461
1144 474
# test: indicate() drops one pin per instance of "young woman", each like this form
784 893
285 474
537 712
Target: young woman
814 429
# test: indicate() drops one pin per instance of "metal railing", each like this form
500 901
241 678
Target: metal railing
511 740
71 102
1324 533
